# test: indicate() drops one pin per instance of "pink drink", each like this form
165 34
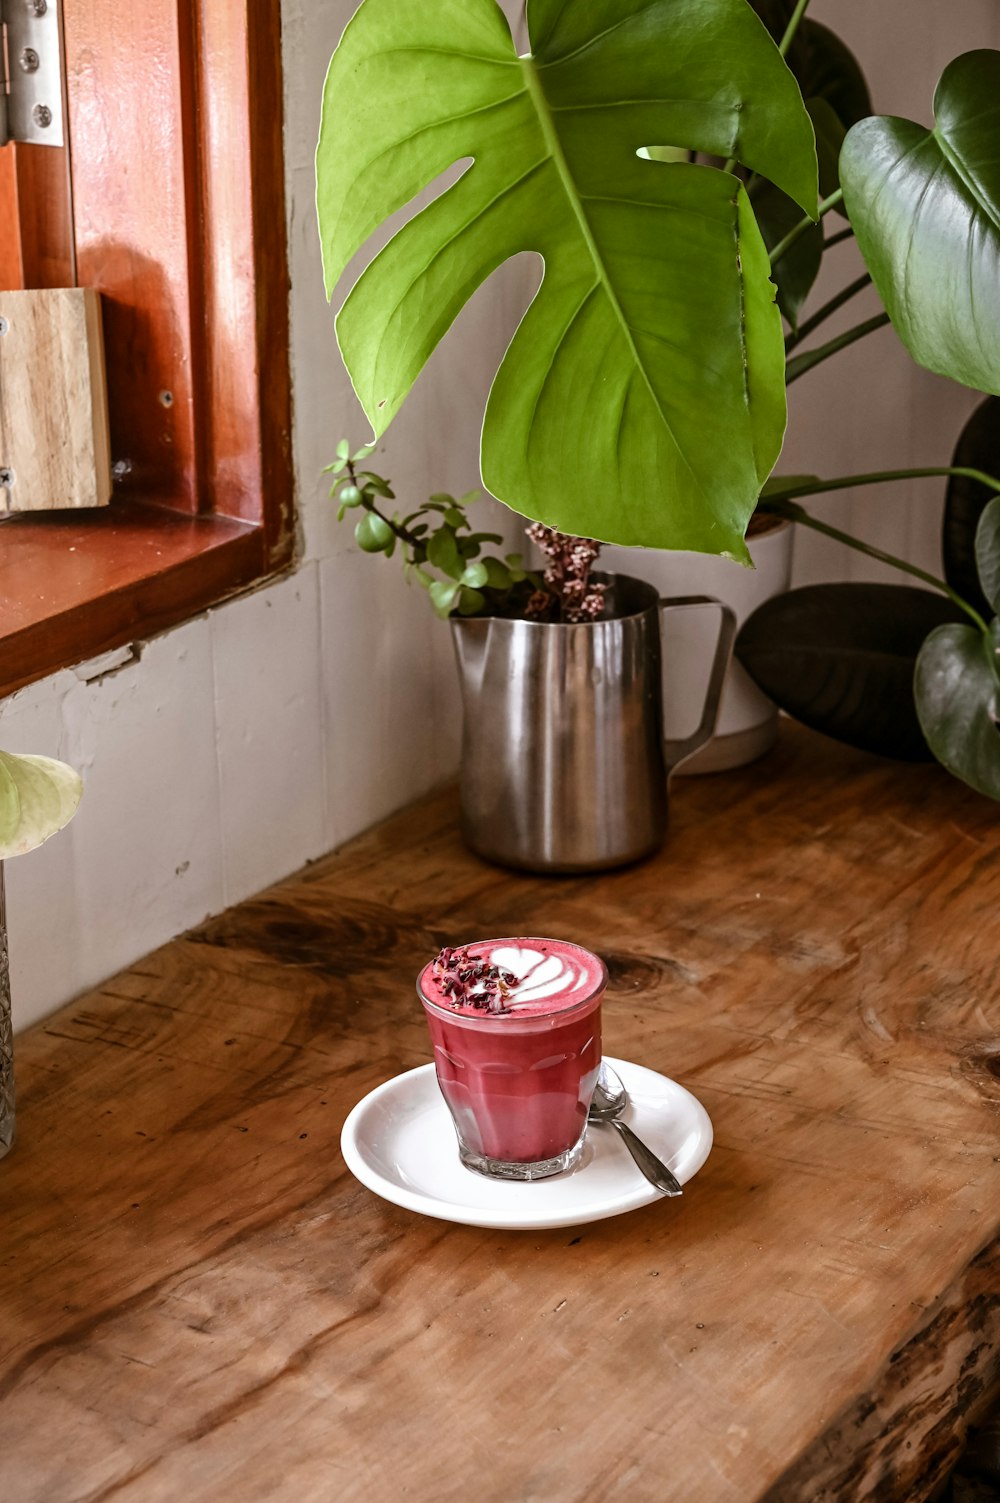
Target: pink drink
517 1059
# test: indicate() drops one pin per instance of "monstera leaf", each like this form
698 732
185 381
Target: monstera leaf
958 679
840 658
37 797
925 206
832 73
642 398
978 449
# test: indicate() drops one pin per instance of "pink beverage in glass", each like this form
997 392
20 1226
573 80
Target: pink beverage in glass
516 1029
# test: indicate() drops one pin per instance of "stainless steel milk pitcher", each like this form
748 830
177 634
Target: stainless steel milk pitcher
564 765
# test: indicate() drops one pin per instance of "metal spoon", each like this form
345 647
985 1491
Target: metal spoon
610 1100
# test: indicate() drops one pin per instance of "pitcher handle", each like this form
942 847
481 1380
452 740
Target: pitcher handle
678 751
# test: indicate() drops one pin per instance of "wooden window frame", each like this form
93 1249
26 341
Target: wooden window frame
174 170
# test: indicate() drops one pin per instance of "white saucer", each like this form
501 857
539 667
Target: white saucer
400 1142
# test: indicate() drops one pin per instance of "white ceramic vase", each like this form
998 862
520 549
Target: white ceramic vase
748 720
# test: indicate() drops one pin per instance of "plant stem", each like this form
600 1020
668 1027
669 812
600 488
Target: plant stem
792 27
879 477
805 224
799 514
847 234
811 324
402 533
803 363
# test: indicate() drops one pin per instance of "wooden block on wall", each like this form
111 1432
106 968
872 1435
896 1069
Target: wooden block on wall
55 447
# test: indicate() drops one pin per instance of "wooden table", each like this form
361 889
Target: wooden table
199 1302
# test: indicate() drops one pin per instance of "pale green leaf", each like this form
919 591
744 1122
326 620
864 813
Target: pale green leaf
38 796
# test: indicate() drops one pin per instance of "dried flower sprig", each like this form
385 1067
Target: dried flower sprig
569 593
470 981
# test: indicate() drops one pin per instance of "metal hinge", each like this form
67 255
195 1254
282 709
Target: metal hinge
31 97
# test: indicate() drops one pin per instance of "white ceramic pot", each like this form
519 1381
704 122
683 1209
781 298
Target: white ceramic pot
748 720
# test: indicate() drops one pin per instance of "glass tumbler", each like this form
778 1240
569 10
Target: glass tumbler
519 1085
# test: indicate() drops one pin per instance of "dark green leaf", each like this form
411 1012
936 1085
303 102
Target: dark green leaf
830 135
988 554
795 272
957 689
443 553
498 576
471 603
597 421
925 206
833 73
840 658
455 517
373 534
966 500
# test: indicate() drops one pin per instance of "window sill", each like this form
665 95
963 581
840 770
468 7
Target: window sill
73 585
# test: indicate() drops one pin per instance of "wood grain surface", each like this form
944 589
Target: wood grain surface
198 1301
53 401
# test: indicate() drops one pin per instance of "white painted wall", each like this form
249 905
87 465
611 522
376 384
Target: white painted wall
274 728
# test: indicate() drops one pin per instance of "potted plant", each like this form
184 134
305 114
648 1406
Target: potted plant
642 400
38 796
564 764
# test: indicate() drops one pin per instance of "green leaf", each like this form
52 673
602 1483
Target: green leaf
966 500
796 271
832 73
988 554
38 796
349 496
455 518
925 206
475 575
498 576
444 593
379 486
840 658
372 533
337 468
957 689
642 398
471 603
830 134
443 553
343 449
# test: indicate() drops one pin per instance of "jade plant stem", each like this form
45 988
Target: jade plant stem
783 506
